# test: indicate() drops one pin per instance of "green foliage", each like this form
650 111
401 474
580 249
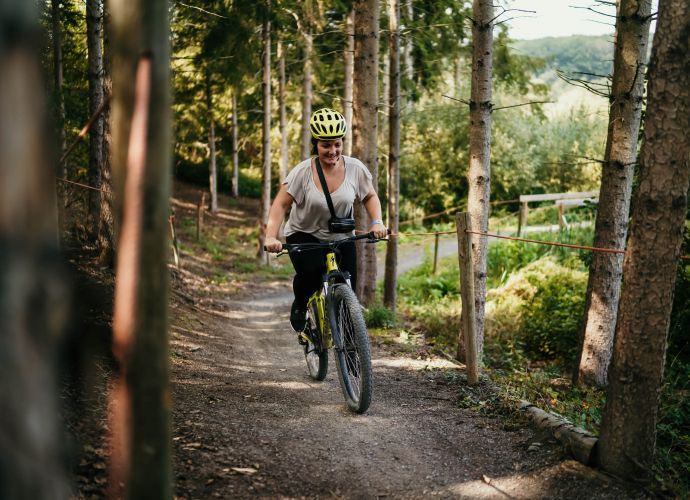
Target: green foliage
378 316
551 319
585 55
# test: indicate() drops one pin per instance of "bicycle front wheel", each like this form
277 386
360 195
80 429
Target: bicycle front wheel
352 348
315 354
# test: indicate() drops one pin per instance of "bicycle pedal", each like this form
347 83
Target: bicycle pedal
302 338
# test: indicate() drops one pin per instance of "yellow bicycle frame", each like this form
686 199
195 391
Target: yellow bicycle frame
319 298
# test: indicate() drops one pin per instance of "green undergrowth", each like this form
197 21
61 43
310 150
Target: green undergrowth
534 306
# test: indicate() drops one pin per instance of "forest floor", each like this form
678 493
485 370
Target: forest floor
248 421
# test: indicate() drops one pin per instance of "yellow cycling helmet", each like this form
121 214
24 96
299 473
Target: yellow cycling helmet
327 125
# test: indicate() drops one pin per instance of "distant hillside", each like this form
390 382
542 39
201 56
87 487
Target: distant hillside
572 54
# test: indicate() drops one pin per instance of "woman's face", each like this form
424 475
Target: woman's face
329 151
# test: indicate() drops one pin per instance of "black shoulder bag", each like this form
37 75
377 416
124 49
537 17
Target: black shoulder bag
335 224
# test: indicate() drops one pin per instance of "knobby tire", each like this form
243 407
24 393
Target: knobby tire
352 349
314 353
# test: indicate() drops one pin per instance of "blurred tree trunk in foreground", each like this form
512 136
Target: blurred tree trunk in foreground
32 291
603 290
140 399
628 429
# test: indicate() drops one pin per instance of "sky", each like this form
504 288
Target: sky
559 18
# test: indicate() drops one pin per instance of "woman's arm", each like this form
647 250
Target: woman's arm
372 204
281 204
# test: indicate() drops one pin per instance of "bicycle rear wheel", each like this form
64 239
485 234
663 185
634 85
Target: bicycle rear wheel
314 353
352 348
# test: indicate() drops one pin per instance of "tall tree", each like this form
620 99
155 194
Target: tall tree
628 429
32 291
349 62
625 109
364 127
235 159
212 167
106 226
266 129
306 27
141 456
284 152
94 42
390 279
479 174
58 80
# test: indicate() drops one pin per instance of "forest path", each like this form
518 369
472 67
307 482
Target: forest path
248 421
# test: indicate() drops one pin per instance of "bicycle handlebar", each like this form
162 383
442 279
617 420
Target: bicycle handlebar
299 247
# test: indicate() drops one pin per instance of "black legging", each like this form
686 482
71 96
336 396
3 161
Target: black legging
311 265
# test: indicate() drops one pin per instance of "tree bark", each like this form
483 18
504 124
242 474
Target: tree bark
479 175
308 48
33 295
235 156
94 40
212 168
106 226
364 128
284 152
603 290
140 399
390 278
409 61
266 133
348 58
627 438
58 82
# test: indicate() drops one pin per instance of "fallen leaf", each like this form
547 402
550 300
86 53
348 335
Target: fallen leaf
486 479
247 471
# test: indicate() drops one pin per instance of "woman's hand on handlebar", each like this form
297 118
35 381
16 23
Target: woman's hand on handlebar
379 231
272 245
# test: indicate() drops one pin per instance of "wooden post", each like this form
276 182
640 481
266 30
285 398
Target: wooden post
433 270
173 235
463 224
200 215
561 219
522 217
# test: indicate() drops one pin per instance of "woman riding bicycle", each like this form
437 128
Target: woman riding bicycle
311 218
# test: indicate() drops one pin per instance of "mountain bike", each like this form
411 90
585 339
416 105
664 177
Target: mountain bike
335 320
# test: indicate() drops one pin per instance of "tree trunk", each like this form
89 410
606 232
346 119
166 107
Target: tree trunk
58 82
390 279
141 455
603 290
349 58
308 48
212 168
364 128
33 296
284 152
480 152
628 429
94 39
266 133
106 226
409 62
235 156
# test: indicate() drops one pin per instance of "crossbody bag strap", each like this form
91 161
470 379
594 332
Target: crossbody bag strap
324 186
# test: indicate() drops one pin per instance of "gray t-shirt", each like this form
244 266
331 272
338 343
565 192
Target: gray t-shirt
310 212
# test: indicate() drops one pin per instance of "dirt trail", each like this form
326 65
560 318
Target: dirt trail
248 421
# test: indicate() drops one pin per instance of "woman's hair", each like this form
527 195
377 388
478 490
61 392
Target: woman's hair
315 142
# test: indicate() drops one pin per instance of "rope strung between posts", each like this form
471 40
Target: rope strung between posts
79 184
515 238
